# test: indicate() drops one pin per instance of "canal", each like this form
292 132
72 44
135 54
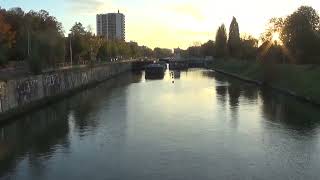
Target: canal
201 125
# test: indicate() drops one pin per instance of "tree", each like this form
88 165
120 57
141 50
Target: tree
102 54
300 34
16 18
194 51
6 39
146 52
234 38
207 49
275 26
162 53
38 37
249 46
79 42
221 42
78 29
35 33
45 36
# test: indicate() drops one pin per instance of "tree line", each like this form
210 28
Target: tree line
86 46
226 46
292 39
299 38
32 36
39 38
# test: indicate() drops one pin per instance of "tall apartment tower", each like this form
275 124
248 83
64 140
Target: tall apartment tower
111 26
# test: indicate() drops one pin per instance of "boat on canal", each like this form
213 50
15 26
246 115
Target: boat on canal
155 71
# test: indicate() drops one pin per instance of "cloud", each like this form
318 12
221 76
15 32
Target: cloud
88 6
187 10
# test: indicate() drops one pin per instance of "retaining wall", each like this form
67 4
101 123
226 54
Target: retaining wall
22 94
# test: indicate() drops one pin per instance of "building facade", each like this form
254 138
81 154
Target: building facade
111 26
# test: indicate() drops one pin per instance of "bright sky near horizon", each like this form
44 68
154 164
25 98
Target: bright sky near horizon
168 23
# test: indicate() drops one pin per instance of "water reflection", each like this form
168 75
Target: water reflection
250 93
204 126
37 136
291 113
34 136
234 91
275 107
222 94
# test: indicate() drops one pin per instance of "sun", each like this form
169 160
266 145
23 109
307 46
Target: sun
276 37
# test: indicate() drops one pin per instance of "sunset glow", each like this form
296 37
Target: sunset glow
276 37
169 23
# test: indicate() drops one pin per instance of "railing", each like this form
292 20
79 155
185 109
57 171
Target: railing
20 68
68 65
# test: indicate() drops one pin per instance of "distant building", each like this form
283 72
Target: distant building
111 26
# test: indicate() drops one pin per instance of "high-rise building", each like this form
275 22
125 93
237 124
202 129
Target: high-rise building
111 26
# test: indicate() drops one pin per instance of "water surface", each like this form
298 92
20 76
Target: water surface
202 125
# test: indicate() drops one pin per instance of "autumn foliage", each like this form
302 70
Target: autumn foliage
7 39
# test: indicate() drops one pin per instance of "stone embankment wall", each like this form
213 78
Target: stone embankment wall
23 94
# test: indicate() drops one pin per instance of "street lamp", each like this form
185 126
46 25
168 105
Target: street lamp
70 36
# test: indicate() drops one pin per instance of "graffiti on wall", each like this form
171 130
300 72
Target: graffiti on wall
51 84
3 87
84 77
52 80
25 90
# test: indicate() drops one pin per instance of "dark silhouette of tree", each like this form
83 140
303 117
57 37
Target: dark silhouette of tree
162 53
194 51
248 48
300 34
221 42
275 25
207 49
234 38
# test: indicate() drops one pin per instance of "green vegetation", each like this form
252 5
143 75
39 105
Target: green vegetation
288 57
38 38
32 34
221 42
299 79
6 39
234 42
294 39
232 46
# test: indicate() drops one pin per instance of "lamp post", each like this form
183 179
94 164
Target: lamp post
28 43
70 36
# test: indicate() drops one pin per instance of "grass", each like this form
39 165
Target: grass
302 80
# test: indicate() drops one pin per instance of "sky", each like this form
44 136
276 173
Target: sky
168 23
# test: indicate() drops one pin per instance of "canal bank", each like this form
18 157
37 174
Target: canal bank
21 95
293 80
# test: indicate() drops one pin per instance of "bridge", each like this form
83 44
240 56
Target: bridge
173 64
